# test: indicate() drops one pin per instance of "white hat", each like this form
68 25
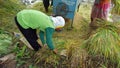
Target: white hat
58 21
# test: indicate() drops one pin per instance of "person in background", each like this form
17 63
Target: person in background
51 2
100 10
47 3
28 21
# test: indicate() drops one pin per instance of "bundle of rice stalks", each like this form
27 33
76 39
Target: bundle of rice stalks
116 8
75 55
84 29
5 41
104 42
45 57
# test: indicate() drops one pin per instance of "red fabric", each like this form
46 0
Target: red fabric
100 10
104 1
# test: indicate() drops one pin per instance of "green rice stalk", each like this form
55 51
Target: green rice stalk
84 29
46 57
76 56
5 41
105 42
116 8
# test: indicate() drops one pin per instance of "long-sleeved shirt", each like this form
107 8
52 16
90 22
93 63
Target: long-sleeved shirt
37 20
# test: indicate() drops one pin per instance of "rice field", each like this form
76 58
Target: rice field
80 47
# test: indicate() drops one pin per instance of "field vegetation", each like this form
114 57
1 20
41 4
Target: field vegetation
81 47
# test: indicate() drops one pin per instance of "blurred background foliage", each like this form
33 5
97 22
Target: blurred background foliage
8 9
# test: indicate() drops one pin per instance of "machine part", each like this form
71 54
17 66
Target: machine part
62 9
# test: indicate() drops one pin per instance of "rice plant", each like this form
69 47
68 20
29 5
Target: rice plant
104 42
85 30
8 10
116 7
45 57
75 54
5 41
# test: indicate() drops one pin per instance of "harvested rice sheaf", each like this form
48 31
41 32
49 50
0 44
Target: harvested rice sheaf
116 7
104 42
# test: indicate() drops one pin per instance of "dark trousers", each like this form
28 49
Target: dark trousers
51 2
30 35
46 4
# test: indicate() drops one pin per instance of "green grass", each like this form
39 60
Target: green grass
5 41
116 8
8 10
103 41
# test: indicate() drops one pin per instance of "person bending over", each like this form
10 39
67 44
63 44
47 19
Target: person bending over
28 21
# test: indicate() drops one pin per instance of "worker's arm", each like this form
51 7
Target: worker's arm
49 32
42 37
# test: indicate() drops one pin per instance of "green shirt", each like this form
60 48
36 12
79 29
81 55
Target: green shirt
34 19
37 20
49 33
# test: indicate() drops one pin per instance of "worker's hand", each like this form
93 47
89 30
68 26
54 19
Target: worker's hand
45 45
55 51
